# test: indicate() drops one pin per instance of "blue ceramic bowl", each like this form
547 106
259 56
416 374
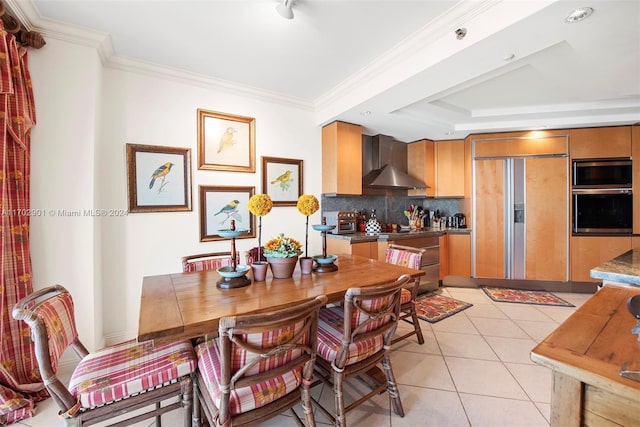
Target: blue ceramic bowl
227 271
322 227
232 233
324 260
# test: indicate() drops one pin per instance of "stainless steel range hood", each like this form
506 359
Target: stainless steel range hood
384 164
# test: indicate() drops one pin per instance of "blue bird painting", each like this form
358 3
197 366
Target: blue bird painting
161 172
230 210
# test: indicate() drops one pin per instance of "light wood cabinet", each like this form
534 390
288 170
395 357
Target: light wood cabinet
459 254
341 246
542 252
635 154
450 168
342 158
421 165
443 256
489 223
602 142
588 252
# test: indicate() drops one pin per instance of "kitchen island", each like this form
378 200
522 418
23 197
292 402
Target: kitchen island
586 353
623 269
439 245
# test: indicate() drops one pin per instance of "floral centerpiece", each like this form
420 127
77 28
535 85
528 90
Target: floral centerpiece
282 253
282 247
260 205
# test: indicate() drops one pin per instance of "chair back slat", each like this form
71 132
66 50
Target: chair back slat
53 316
405 256
255 348
208 261
371 312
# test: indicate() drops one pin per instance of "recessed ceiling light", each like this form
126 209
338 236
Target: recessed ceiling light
449 133
509 57
578 15
365 113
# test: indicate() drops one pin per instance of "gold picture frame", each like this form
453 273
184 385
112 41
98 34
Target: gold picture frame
219 205
226 142
158 178
282 180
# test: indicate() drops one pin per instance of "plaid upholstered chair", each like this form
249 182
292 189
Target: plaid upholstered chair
412 258
251 255
260 366
354 339
209 261
109 382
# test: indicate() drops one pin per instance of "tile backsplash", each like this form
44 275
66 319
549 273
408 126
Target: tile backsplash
389 208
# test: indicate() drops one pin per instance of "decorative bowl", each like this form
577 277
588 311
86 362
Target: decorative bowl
232 233
322 227
324 260
227 271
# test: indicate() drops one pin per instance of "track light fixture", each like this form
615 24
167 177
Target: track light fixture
285 9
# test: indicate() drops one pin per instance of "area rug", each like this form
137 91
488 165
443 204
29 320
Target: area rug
434 307
524 297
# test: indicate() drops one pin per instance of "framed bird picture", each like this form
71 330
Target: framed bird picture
159 178
226 142
220 205
282 180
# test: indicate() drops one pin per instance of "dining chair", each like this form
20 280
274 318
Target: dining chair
260 366
251 255
407 256
208 261
110 382
354 339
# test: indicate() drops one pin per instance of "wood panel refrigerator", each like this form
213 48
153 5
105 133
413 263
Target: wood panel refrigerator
520 219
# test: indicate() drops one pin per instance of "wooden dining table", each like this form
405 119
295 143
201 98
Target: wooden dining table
189 305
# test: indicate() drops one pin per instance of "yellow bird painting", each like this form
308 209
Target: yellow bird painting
161 172
284 181
226 140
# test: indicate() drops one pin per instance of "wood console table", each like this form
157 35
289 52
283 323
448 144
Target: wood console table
585 354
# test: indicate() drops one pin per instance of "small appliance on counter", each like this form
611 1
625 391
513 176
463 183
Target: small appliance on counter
345 221
459 221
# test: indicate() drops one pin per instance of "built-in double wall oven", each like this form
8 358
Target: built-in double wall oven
602 196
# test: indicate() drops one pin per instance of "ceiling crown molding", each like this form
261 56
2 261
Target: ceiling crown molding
28 15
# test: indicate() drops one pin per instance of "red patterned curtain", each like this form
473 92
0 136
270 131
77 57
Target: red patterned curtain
20 382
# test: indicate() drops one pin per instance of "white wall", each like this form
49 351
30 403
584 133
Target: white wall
86 116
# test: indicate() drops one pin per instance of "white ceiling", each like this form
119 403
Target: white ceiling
400 61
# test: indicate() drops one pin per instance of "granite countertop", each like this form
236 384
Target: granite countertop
384 236
623 269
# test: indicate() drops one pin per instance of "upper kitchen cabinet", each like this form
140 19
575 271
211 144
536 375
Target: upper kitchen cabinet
450 168
421 165
342 158
440 164
593 143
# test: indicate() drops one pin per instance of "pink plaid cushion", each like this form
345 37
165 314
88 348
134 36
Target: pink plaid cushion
403 258
330 333
246 398
206 264
57 315
129 368
405 296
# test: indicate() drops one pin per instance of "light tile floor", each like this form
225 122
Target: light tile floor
473 370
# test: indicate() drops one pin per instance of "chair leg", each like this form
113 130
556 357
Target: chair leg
416 326
187 399
392 387
338 386
196 415
158 417
307 408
